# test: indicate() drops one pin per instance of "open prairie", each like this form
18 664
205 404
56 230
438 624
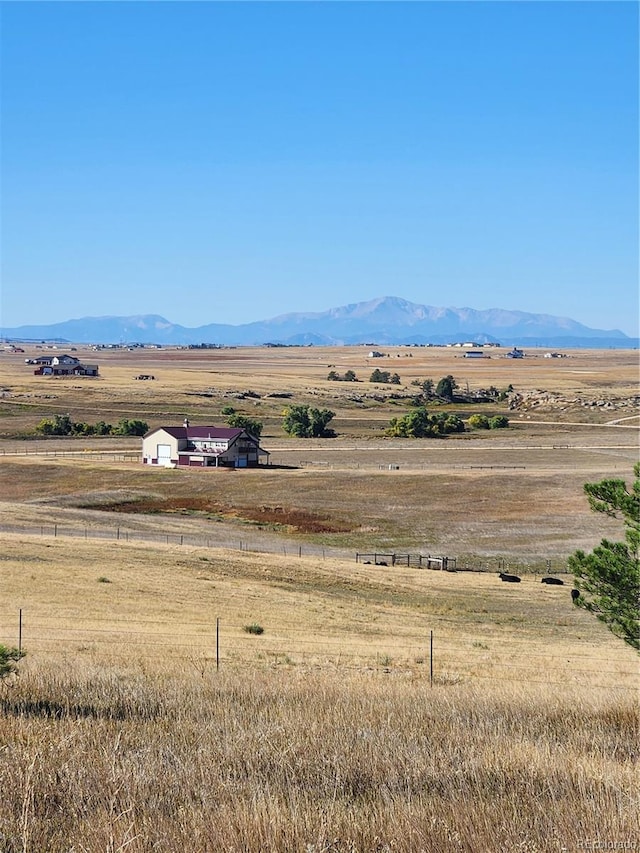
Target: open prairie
513 494
261 380
150 715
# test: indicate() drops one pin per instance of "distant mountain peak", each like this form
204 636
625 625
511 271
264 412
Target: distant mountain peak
386 320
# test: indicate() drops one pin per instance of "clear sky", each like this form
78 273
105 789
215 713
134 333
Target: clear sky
229 162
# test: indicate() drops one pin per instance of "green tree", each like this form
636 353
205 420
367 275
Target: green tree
333 376
498 422
445 388
479 422
307 422
58 425
420 424
9 657
453 424
381 376
250 425
608 578
350 376
427 389
127 426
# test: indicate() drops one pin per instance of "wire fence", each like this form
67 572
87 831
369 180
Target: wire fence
259 543
271 543
220 643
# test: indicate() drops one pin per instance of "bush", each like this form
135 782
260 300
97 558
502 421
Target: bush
254 628
381 376
499 422
58 425
130 427
349 376
478 422
420 424
9 657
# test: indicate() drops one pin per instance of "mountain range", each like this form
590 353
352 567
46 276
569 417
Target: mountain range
388 320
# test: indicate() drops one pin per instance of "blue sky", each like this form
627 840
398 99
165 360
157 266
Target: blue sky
229 162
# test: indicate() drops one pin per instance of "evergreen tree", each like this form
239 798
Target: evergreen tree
608 578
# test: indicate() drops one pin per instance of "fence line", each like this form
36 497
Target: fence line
267 544
123 534
448 663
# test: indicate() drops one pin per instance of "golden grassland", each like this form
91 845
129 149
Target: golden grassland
199 383
324 732
297 761
145 716
159 603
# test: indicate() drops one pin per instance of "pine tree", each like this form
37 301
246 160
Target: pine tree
608 578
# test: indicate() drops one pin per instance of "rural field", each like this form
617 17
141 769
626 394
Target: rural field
252 660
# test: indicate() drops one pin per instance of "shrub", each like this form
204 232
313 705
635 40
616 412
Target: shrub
9 657
498 422
254 628
348 376
58 425
479 422
382 376
128 426
420 424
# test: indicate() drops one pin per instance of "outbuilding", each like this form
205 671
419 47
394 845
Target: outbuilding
202 447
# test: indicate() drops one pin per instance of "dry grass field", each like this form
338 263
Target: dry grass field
147 718
199 383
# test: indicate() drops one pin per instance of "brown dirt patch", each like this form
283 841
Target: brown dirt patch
294 520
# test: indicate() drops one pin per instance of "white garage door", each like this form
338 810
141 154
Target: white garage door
164 454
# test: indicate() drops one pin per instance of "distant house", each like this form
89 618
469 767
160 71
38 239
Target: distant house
202 447
63 365
515 353
475 353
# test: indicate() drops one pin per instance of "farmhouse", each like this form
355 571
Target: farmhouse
202 447
62 365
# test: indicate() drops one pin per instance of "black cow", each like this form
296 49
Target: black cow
555 581
575 594
508 578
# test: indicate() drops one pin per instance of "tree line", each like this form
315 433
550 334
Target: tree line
63 425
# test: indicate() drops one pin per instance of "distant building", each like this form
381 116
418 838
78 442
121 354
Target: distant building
515 353
62 365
